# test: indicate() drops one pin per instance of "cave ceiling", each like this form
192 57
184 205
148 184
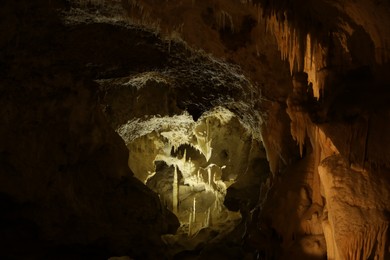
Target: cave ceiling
271 117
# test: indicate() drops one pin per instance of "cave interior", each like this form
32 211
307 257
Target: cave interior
188 129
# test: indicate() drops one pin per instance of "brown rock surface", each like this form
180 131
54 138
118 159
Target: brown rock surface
73 71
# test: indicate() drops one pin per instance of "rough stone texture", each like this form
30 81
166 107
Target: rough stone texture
358 204
231 30
292 212
62 166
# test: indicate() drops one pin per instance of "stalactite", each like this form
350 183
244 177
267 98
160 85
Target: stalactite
299 129
189 166
225 21
175 195
300 50
184 158
310 66
208 140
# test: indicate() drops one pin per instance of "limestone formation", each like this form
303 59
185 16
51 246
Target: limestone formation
140 129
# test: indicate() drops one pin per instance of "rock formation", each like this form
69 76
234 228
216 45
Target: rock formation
194 129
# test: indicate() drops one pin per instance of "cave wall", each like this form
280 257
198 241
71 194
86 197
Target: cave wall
62 164
66 190
338 56
350 88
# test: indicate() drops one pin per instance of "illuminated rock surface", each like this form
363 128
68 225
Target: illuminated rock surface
357 202
194 129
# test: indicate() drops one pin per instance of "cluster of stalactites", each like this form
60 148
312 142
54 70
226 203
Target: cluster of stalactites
194 178
299 124
303 53
225 20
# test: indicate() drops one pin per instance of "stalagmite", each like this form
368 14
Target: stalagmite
189 224
208 218
177 145
175 194
217 207
194 209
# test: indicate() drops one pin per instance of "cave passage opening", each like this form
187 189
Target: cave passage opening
191 164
